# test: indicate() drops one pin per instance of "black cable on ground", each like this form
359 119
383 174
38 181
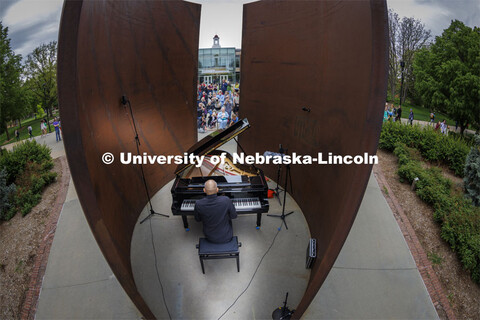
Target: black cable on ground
253 276
156 270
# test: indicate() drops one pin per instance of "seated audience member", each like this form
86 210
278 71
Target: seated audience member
222 118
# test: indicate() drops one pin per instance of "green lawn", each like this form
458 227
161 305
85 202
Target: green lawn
35 123
422 114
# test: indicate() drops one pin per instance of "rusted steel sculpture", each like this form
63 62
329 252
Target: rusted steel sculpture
148 51
329 57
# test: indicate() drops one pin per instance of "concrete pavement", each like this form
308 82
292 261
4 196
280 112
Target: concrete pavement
374 276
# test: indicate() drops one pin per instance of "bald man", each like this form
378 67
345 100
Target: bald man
216 213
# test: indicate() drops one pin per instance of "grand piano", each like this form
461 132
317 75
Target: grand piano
244 184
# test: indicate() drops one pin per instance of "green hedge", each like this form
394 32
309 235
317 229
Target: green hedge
28 167
458 217
450 150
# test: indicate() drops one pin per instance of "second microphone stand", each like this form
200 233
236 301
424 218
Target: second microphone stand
288 177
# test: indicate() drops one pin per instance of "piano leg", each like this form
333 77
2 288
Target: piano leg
259 220
185 222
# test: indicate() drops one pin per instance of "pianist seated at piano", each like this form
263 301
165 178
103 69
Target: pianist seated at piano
245 185
216 213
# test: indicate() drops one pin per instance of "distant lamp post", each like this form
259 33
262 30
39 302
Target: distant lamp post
402 65
45 105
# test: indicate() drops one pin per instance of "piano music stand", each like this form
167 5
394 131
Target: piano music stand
288 177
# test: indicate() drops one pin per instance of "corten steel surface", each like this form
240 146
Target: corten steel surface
331 57
147 50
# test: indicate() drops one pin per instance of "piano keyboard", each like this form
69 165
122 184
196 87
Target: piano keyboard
239 203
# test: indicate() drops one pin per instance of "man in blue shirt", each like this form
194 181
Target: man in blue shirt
56 125
216 213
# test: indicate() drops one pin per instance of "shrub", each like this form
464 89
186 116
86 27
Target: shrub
6 197
450 150
29 166
472 173
28 151
459 218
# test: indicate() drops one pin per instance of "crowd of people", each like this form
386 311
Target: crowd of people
217 105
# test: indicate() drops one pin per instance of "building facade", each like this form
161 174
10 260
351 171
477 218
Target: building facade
216 64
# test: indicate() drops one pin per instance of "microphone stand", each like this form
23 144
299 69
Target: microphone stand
137 143
288 177
277 189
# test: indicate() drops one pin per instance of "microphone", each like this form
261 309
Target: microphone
124 100
306 109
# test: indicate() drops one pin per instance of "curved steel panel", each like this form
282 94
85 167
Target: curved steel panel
147 50
330 57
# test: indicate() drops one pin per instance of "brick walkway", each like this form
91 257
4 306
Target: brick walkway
30 304
435 290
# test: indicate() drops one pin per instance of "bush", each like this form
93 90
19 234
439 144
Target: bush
459 218
450 150
29 166
472 173
6 197
16 160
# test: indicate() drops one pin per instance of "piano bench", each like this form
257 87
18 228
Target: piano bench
208 250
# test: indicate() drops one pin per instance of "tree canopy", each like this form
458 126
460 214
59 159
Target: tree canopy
11 96
448 74
41 75
406 36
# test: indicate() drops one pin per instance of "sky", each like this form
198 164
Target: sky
33 22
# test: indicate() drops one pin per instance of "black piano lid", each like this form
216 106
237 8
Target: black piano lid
213 141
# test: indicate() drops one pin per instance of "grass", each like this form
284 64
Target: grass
434 258
19 268
420 113
35 123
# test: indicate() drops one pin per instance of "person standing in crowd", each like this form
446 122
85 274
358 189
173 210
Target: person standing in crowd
411 117
30 132
221 98
399 113
444 127
42 128
17 135
236 101
56 125
437 126
228 105
432 118
222 118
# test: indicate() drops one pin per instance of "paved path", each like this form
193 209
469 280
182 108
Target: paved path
374 276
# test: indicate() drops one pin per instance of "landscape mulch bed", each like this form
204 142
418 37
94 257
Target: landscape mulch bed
24 247
463 294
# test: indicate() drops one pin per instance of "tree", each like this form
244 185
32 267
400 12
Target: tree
40 71
412 37
448 74
393 64
10 82
406 36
